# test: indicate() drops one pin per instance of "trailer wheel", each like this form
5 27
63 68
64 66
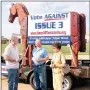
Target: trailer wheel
67 83
32 81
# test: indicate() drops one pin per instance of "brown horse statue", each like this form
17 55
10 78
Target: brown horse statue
19 10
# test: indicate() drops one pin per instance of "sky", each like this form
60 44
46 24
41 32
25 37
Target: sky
41 8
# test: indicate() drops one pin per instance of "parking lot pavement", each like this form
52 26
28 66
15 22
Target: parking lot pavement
21 86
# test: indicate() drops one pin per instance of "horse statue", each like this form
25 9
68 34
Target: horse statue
19 10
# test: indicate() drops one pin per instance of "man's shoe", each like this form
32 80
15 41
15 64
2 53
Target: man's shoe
39 89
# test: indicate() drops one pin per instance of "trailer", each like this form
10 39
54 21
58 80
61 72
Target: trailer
68 28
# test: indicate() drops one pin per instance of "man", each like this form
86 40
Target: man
40 55
11 55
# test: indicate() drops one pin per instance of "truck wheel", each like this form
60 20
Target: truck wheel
32 81
67 83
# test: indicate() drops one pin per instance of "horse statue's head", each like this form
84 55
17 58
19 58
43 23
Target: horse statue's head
13 13
17 10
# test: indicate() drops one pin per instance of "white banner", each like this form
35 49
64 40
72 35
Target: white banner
47 25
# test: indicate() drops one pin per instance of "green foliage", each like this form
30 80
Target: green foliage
65 49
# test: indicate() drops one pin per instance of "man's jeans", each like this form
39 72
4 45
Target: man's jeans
40 77
13 78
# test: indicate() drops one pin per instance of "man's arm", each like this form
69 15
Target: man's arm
7 54
45 58
58 65
8 58
63 62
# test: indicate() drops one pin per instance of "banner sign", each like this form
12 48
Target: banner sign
49 28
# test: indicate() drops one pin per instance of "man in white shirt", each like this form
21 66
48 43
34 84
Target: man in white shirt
11 55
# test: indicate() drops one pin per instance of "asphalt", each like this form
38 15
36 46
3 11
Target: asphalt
22 86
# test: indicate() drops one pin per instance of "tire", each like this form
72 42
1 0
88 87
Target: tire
32 81
67 83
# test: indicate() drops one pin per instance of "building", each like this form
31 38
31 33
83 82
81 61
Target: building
4 40
87 37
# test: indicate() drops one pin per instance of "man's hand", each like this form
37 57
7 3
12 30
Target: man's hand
38 59
52 65
13 61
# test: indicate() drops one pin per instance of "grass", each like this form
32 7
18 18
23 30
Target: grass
65 49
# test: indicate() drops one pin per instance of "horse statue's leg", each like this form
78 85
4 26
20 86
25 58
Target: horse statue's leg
75 50
23 32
